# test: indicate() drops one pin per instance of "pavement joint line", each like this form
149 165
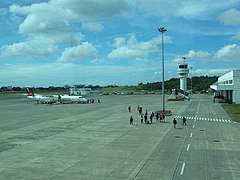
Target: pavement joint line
135 172
225 151
188 146
182 170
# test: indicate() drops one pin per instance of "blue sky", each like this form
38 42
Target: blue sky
59 42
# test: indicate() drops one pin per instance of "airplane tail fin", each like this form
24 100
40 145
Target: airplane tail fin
29 93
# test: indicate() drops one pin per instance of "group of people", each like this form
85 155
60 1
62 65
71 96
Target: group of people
158 117
90 101
144 116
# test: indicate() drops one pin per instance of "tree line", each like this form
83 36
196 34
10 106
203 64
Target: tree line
201 83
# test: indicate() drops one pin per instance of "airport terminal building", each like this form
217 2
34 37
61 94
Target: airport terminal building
228 86
80 91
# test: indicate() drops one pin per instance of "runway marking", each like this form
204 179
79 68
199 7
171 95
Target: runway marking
193 126
191 134
195 118
188 146
182 170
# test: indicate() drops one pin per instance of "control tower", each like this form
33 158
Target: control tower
183 72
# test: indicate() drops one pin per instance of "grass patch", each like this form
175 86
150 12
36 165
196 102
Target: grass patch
233 111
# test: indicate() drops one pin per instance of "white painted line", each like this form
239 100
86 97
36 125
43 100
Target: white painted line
220 120
188 146
229 121
182 170
193 126
205 119
226 120
191 134
208 119
217 120
213 119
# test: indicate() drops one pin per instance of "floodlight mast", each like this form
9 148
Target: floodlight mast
163 30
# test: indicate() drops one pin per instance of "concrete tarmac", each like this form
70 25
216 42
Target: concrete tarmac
96 141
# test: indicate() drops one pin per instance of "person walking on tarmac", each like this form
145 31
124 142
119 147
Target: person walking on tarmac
157 116
174 122
145 118
131 120
151 117
163 117
129 108
141 118
184 121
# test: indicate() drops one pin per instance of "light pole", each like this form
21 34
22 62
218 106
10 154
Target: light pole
162 30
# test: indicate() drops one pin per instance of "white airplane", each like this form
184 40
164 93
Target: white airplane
42 99
72 99
55 98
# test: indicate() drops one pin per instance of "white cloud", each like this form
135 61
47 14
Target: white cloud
59 74
93 9
236 37
210 72
192 54
82 52
187 9
119 41
228 53
157 73
28 50
93 26
230 17
50 22
197 54
132 48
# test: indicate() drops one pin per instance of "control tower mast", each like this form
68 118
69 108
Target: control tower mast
183 72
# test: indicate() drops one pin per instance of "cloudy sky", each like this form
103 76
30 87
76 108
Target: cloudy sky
104 42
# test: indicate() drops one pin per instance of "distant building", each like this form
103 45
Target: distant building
80 91
228 86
